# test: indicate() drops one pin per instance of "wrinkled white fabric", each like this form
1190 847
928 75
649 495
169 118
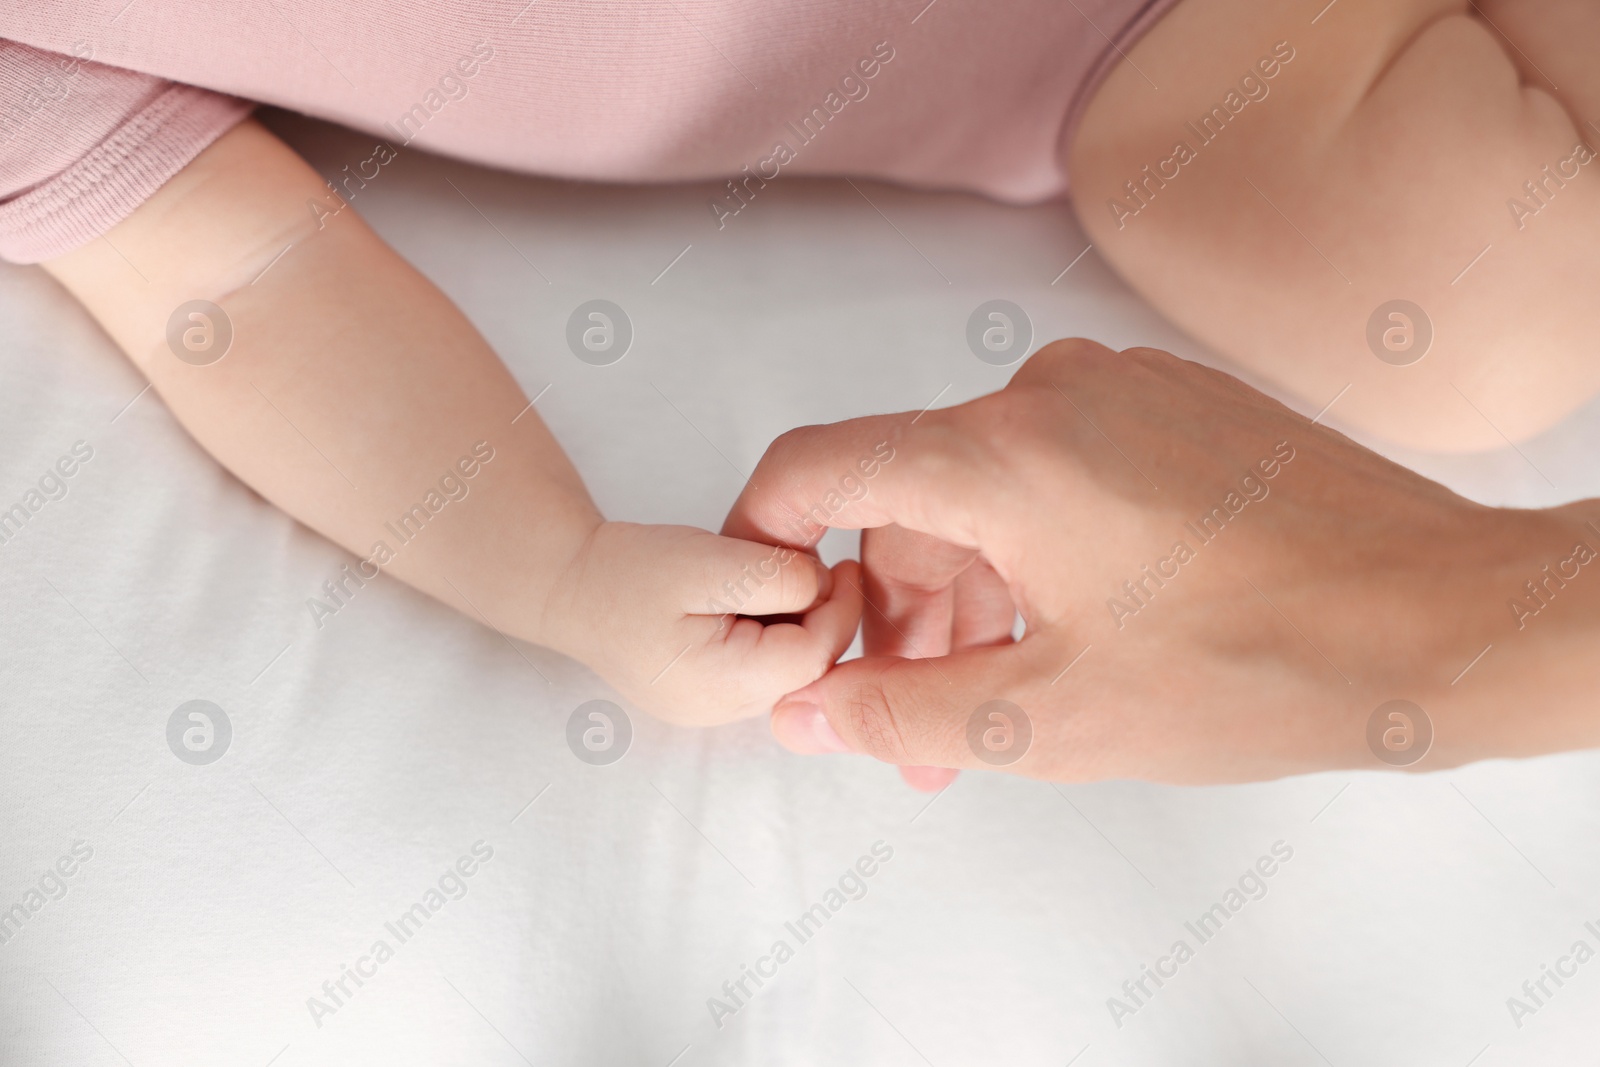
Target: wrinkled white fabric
370 756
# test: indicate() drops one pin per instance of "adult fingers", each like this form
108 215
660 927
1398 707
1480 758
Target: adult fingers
902 711
943 472
927 613
910 591
847 475
926 597
928 779
909 585
984 613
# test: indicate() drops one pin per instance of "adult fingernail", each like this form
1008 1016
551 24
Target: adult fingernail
800 726
928 779
824 582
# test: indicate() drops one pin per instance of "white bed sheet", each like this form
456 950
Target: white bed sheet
369 755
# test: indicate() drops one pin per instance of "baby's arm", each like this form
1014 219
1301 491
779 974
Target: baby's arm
1377 152
352 386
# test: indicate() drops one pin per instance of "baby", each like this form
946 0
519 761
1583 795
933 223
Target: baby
1316 184
1325 192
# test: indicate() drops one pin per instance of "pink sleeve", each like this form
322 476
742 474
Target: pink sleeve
83 144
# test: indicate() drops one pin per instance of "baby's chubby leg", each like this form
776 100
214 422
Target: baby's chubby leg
352 388
1303 165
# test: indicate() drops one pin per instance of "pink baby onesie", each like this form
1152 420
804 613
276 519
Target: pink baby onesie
103 101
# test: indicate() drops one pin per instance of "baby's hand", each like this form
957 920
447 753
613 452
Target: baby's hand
655 610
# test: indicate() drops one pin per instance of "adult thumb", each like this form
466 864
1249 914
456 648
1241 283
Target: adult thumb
947 711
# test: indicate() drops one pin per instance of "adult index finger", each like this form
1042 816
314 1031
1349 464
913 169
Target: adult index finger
852 475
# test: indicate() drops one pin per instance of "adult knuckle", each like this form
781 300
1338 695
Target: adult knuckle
1062 358
936 449
977 422
1010 430
787 447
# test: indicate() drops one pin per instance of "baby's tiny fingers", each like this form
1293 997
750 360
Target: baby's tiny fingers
787 656
747 578
834 622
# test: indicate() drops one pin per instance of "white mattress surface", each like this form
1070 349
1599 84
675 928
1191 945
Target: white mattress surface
208 904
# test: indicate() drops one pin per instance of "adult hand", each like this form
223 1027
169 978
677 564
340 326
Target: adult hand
1213 587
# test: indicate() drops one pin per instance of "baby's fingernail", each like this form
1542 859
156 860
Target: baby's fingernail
801 727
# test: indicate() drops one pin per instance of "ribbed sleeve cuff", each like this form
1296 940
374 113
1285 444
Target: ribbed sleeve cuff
120 173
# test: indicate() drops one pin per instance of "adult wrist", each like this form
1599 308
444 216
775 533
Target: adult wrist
1526 623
